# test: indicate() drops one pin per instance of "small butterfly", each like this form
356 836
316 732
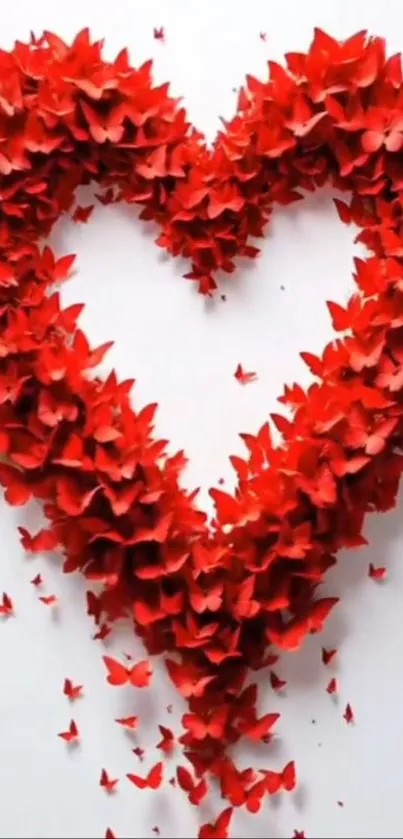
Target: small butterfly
72 691
6 606
109 784
72 735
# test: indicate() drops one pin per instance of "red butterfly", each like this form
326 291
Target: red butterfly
255 795
152 781
196 790
233 783
72 691
109 784
45 540
332 686
72 735
7 605
82 214
168 740
187 679
328 655
276 682
102 128
275 781
349 714
159 33
158 533
292 634
219 828
16 491
376 573
37 580
200 729
139 675
257 729
139 752
109 834
207 601
103 632
128 722
49 599
243 377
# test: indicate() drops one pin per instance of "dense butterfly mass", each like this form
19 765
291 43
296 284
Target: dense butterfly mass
218 599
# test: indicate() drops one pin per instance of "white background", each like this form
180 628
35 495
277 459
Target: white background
183 352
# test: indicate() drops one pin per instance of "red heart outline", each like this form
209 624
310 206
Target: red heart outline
217 596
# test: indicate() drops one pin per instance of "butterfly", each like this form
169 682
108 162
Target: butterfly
275 781
219 828
6 606
276 682
243 377
82 214
196 790
128 722
139 675
349 714
292 634
257 729
376 573
109 784
328 655
255 795
200 729
103 632
49 599
187 679
332 686
167 742
44 540
152 781
72 691
72 734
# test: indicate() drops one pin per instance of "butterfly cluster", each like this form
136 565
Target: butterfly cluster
214 598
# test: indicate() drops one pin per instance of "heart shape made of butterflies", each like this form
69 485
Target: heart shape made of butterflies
214 598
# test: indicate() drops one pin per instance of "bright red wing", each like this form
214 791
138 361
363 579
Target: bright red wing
118 674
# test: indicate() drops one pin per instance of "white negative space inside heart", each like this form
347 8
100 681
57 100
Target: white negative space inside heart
183 353
183 349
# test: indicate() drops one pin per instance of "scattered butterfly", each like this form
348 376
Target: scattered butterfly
328 655
244 377
349 714
6 606
128 722
72 691
109 784
332 687
376 573
49 600
72 734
